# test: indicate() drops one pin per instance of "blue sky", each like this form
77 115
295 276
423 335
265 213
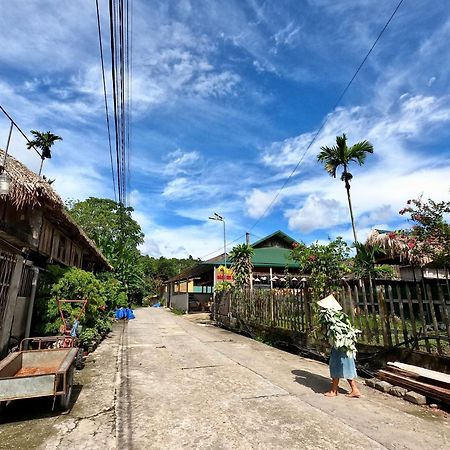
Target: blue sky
226 98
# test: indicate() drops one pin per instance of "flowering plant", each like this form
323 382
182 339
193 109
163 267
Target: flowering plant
341 334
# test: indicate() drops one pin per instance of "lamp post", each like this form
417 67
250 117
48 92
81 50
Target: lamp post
221 219
5 179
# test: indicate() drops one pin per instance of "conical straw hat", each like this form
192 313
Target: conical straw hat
330 303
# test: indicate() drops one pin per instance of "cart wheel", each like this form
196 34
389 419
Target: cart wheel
64 400
79 361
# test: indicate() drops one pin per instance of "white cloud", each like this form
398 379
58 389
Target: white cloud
181 162
287 152
317 213
258 201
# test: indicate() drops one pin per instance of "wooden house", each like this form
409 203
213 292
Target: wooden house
35 229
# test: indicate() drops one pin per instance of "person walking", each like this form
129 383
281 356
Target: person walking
342 336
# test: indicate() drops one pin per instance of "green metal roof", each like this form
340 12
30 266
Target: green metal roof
283 236
273 257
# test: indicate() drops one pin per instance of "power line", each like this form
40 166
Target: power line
119 20
18 129
106 101
324 122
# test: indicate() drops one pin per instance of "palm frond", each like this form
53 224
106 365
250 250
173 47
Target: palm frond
358 151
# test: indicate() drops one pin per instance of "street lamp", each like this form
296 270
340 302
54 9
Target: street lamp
221 219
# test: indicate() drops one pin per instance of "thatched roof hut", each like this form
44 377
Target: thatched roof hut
398 246
28 190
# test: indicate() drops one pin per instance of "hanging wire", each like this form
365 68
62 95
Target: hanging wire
106 100
325 121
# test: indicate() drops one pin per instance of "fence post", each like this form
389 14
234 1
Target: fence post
429 297
387 338
272 315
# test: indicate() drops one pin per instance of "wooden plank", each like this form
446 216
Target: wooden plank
412 316
433 318
374 313
387 340
351 305
444 311
366 314
402 316
360 323
421 371
422 317
435 392
393 315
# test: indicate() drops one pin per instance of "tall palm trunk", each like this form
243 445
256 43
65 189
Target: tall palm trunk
347 187
351 213
40 168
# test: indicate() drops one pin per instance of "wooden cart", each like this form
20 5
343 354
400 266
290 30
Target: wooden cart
38 373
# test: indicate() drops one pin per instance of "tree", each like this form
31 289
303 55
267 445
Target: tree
158 270
342 155
241 259
430 234
325 264
111 226
44 142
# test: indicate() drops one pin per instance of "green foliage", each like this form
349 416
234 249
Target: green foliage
115 292
340 332
364 262
341 155
89 336
79 284
158 270
241 259
43 142
430 234
112 228
325 264
223 286
103 295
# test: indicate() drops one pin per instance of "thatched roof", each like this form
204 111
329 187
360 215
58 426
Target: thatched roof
29 189
398 246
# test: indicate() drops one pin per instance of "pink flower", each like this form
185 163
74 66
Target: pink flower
411 243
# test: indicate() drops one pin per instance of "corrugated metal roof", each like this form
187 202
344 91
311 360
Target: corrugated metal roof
273 257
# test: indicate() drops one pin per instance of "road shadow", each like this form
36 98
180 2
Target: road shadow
316 383
36 408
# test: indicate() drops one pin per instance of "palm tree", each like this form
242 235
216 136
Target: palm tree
43 142
241 258
342 155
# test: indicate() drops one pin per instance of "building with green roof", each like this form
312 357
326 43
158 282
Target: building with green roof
272 268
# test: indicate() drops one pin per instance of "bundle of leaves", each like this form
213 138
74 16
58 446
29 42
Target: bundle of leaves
340 332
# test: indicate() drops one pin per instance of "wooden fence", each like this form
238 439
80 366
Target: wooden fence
392 313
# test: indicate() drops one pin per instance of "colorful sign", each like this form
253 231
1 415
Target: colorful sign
224 274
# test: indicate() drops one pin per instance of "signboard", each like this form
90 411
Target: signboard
224 274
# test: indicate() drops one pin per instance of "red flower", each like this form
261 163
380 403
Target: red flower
312 257
295 244
411 243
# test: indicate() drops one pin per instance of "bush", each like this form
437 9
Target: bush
104 295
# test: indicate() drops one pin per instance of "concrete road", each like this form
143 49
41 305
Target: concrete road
169 382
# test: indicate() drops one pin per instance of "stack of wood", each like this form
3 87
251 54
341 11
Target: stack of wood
432 384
